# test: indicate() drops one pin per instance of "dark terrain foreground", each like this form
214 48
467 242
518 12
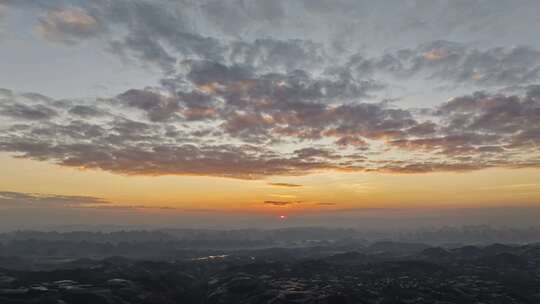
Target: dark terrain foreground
382 272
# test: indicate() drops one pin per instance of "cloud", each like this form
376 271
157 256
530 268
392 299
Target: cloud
165 34
158 33
436 54
156 106
286 185
281 203
480 130
456 64
145 132
163 31
230 103
418 167
351 141
245 162
5 93
175 36
42 200
22 111
68 25
85 111
499 114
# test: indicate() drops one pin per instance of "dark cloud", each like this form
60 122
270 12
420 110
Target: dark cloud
296 103
456 64
85 111
516 119
286 185
496 66
224 160
156 138
310 153
423 129
289 55
156 106
157 33
280 203
428 167
36 97
480 131
492 113
39 201
18 198
533 92
443 143
122 145
29 112
5 93
208 72
351 141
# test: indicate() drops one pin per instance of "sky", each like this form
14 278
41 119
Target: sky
232 113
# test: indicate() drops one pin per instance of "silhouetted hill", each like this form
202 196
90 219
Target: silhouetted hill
491 274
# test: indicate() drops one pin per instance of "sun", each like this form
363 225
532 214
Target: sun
282 217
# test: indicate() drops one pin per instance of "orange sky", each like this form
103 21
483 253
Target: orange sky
321 191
